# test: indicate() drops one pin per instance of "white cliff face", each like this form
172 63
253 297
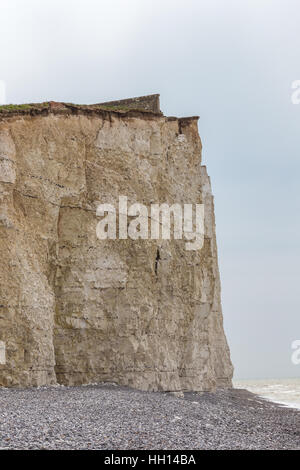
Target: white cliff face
76 309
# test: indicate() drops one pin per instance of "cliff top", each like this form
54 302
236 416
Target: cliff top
146 105
142 104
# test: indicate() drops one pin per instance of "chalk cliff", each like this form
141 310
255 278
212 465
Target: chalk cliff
75 309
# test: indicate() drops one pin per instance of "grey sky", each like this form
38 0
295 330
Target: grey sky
233 63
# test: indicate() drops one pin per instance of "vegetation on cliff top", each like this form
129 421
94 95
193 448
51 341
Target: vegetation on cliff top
12 108
35 108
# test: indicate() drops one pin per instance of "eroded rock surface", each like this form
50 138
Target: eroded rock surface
76 309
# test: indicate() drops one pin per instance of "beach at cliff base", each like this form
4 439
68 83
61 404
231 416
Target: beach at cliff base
108 416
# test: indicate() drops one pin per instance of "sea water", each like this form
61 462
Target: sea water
283 391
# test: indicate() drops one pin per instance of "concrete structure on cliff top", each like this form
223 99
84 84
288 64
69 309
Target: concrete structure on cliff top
75 309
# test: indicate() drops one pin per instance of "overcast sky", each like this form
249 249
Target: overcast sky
231 62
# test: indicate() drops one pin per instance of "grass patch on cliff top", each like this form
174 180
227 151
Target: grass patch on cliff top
100 107
19 108
11 108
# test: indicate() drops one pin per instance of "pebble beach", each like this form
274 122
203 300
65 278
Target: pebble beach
112 417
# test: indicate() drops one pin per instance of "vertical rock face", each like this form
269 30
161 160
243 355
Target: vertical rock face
75 309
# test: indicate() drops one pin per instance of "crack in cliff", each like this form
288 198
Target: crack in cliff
156 261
